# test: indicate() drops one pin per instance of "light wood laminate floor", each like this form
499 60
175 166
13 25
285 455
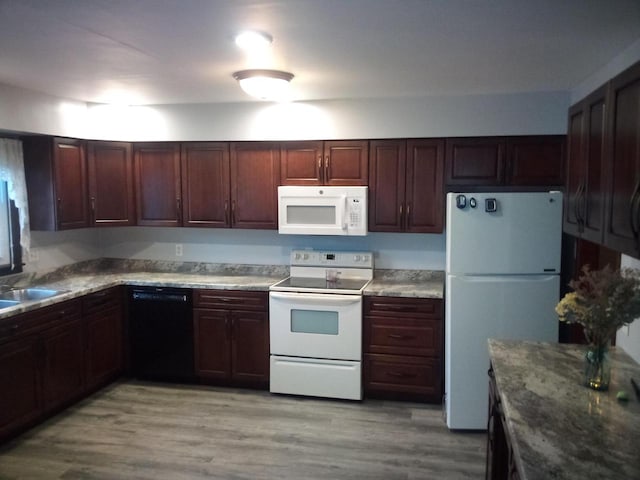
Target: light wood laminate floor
137 430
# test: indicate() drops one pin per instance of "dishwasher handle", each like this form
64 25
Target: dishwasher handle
160 297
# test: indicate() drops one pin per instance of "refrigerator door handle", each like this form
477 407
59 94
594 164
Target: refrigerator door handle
511 278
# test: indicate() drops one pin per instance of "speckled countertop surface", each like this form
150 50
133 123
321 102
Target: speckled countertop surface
559 428
407 283
87 277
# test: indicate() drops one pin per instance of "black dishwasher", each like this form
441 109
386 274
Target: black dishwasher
161 333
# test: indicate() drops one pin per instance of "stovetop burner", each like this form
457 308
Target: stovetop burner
355 285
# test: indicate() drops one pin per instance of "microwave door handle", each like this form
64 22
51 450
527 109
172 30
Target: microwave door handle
344 212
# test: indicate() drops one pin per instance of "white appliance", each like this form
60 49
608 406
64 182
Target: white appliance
315 325
319 210
502 281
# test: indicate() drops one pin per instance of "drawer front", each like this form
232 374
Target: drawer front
399 306
223 299
102 300
37 320
398 374
405 336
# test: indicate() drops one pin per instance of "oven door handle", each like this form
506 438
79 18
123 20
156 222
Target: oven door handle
325 299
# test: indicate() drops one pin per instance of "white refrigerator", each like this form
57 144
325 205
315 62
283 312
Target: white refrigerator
502 281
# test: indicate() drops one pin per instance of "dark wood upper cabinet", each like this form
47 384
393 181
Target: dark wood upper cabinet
205 185
475 161
585 186
301 163
56 177
405 186
157 181
255 174
387 181
505 161
340 162
110 170
622 232
424 188
535 160
346 162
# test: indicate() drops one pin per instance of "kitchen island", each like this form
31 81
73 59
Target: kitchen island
553 427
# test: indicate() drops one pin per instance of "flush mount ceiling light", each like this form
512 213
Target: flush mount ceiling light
265 84
252 40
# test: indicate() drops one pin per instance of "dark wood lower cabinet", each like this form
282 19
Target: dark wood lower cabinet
501 462
403 347
103 322
55 355
63 375
20 401
231 330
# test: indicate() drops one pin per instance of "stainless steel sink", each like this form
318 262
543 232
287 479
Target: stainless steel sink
7 303
27 294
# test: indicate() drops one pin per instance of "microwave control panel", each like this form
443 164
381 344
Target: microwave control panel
354 212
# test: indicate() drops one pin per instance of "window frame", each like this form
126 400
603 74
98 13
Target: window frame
15 265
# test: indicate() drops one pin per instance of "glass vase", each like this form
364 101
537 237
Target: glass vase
597 367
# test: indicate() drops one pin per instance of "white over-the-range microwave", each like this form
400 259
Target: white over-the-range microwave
319 210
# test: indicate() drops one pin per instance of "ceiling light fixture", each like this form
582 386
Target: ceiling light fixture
265 84
252 40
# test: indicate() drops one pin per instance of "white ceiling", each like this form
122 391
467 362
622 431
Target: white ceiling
182 51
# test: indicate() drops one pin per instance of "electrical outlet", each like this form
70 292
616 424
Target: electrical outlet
34 255
178 249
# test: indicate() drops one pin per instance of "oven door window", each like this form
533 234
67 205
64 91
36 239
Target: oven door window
314 321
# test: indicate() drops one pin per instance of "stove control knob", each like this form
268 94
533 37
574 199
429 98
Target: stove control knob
357 258
297 256
365 258
305 256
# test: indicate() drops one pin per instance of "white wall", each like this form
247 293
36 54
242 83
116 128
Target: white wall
467 115
620 62
472 115
629 337
266 247
51 250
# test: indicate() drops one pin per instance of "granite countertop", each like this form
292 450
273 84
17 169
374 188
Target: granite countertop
407 283
91 276
560 429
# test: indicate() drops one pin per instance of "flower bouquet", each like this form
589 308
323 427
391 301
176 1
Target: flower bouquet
602 302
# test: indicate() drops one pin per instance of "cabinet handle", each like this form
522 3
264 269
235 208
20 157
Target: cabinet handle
401 375
93 208
396 336
408 216
233 212
402 215
326 168
226 212
320 167
178 209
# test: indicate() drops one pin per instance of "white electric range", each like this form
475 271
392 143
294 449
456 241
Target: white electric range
315 319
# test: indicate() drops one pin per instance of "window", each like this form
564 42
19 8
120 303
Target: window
10 251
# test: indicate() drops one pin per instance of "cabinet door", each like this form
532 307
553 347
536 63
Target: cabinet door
576 171
19 380
63 376
594 194
110 167
212 344
255 173
250 347
205 184
387 171
535 160
157 180
623 214
475 161
70 172
346 162
424 209
301 163
104 342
